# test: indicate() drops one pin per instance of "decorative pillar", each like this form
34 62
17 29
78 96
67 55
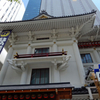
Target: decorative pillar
5 65
29 49
54 46
79 62
56 76
96 55
24 73
56 71
24 77
90 93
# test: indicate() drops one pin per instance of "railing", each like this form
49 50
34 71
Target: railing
40 54
89 44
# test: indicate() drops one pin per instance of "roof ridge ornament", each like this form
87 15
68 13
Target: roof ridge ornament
43 12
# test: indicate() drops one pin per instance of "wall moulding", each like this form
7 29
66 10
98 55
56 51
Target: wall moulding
19 64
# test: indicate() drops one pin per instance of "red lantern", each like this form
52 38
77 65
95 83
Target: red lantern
9 97
99 43
4 97
33 96
27 96
15 97
93 44
45 95
39 96
52 95
90 44
21 96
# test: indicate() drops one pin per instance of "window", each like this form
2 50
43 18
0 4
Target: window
40 76
41 50
42 38
8 14
7 10
4 4
2 16
11 18
86 58
5 19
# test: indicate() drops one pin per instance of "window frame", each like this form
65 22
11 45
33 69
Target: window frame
85 58
42 49
40 69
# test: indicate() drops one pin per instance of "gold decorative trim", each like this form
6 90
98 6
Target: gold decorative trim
62 51
10 45
74 40
54 42
43 17
29 44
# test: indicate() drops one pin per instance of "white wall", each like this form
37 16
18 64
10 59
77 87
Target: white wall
71 72
3 55
68 75
13 76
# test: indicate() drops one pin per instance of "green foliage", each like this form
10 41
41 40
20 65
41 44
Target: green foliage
18 1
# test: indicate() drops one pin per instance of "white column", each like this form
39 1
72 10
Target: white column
24 73
24 76
56 72
96 56
90 93
29 49
5 65
54 46
79 63
56 75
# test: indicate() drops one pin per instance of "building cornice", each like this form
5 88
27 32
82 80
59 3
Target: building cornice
46 24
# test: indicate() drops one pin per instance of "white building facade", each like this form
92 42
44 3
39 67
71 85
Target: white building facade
42 44
52 50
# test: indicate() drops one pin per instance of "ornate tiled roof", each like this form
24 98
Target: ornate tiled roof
53 17
77 91
83 90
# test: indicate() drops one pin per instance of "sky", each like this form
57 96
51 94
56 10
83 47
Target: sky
96 2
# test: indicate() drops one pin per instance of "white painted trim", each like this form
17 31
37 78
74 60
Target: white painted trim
86 50
43 45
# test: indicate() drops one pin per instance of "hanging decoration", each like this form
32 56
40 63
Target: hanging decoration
21 97
4 97
15 97
4 35
27 96
9 97
45 95
39 96
52 95
33 96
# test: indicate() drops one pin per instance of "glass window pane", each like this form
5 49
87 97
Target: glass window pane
46 76
33 76
42 50
86 58
40 76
